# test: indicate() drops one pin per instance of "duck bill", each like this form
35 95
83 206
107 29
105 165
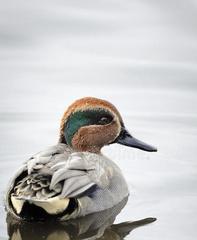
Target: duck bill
126 139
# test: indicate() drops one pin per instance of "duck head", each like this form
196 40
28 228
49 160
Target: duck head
91 123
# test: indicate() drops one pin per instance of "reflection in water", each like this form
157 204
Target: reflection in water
94 226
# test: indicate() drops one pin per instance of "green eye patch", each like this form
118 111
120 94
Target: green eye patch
85 118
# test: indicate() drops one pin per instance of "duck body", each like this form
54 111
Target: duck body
73 178
65 184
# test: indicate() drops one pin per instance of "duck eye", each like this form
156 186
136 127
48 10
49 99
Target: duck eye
104 120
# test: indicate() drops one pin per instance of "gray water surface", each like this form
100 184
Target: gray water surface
139 55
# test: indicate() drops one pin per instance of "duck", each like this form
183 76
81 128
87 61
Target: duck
74 178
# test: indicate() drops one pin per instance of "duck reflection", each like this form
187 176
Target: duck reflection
95 226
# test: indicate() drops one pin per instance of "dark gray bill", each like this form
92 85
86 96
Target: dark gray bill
126 139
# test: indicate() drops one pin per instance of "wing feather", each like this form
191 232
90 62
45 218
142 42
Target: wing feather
57 173
63 174
80 173
74 184
50 178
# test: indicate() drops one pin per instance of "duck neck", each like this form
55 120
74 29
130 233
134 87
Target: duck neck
79 147
91 149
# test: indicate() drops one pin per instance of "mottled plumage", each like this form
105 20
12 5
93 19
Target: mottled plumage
59 173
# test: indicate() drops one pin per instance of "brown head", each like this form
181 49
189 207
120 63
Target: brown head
90 123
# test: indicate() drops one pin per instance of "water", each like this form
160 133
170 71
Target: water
94 226
141 56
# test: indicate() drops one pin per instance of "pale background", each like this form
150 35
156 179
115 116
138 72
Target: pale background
140 55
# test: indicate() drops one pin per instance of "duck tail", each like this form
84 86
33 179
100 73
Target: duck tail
39 209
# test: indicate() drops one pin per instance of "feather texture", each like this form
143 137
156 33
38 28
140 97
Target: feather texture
72 178
59 173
